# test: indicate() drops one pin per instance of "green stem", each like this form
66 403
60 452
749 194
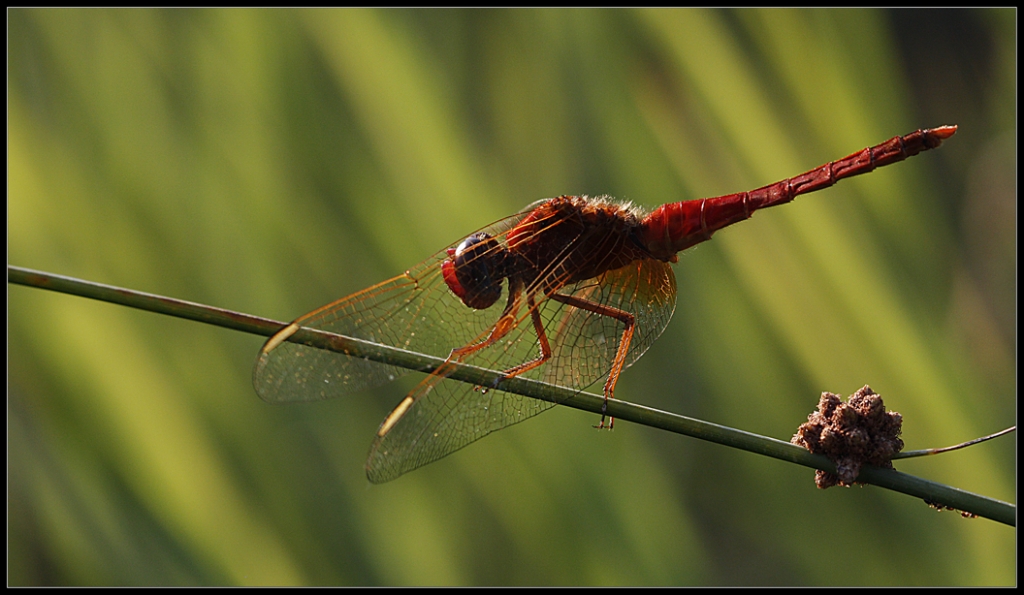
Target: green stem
933 492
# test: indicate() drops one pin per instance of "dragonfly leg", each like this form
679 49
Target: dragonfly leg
545 346
505 323
620 355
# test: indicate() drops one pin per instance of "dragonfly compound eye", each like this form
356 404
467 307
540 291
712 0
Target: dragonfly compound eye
475 269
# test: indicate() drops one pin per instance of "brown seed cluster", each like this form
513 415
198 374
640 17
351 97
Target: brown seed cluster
851 434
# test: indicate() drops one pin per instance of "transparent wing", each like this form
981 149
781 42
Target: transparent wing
413 311
441 416
584 343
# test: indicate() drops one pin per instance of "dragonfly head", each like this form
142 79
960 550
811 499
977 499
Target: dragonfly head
474 270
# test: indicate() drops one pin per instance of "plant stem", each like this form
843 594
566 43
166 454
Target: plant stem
933 492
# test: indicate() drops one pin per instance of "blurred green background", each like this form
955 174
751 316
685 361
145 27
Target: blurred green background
272 161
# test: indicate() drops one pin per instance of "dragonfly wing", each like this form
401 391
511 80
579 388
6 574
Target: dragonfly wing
288 371
414 311
584 343
441 416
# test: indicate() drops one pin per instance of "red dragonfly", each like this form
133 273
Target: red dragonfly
588 287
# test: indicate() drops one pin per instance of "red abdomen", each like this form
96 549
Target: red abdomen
674 227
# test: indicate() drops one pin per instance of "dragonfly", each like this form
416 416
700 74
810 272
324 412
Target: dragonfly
588 287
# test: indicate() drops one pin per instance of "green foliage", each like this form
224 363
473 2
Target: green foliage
271 161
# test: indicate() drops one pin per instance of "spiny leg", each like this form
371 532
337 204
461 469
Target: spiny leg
545 347
620 355
502 327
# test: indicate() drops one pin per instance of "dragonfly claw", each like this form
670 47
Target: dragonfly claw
604 414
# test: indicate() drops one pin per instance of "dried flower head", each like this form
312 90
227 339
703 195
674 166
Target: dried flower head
851 434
